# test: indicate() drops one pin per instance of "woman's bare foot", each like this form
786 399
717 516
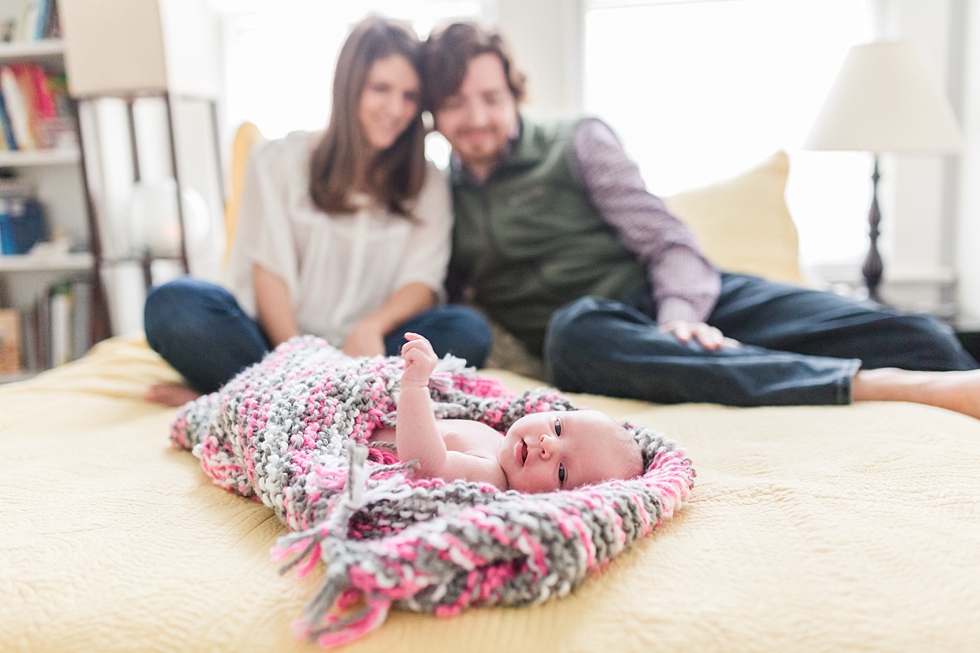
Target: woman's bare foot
171 394
957 391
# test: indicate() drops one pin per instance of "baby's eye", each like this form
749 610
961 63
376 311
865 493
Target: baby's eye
561 474
557 426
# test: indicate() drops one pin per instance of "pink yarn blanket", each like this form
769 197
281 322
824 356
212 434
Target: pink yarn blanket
292 432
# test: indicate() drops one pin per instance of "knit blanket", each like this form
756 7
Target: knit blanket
292 431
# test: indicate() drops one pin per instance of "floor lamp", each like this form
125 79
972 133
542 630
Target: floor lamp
884 100
144 51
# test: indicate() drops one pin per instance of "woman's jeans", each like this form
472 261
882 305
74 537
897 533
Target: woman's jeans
200 329
798 346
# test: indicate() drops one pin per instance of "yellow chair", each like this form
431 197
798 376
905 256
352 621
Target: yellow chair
246 137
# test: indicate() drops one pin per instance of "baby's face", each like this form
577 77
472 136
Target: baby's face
543 452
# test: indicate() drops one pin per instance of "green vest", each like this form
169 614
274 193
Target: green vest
529 241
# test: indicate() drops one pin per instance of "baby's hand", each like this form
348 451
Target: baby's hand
419 359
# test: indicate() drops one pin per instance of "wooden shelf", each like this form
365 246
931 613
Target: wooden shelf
21 159
39 263
43 51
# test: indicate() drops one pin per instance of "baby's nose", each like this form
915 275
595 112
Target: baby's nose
547 444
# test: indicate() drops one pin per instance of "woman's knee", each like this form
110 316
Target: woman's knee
176 309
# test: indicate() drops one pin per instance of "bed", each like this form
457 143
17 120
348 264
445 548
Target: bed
809 529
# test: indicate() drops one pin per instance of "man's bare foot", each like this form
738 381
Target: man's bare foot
171 394
957 391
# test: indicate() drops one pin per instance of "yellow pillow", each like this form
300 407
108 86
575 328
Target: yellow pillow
743 223
245 138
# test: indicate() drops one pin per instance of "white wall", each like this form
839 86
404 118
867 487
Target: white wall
918 193
967 249
547 39
925 243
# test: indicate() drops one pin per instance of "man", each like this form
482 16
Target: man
561 244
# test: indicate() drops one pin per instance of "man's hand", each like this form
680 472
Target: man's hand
365 339
420 360
708 336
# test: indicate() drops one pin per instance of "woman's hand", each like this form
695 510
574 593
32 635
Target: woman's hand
365 339
420 361
708 336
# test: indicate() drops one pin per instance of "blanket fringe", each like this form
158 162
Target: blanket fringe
337 590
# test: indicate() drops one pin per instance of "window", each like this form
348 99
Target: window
279 57
702 90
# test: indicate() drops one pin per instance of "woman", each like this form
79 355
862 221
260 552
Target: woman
343 234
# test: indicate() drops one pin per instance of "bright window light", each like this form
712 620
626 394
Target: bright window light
701 91
280 56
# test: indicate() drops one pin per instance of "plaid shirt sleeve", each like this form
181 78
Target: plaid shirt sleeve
685 284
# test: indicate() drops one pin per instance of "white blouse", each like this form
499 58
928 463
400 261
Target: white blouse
338 268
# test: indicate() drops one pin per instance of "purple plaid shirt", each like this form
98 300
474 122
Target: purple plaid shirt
685 284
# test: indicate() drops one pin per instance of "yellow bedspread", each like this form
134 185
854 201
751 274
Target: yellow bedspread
810 529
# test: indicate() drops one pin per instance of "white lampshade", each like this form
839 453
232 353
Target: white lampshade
884 99
133 46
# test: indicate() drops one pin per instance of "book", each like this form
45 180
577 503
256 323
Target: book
60 300
42 19
27 21
17 109
8 245
24 73
81 304
9 341
39 82
5 126
28 222
28 343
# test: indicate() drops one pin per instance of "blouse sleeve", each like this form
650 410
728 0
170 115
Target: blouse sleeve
263 233
427 254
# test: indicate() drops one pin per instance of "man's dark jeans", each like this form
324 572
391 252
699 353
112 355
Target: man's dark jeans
798 346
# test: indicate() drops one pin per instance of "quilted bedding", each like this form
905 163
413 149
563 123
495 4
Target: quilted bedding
810 529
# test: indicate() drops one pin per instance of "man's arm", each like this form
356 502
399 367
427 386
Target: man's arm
685 284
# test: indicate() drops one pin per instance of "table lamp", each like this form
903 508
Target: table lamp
884 99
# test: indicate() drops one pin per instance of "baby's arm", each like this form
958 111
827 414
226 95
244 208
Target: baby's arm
416 434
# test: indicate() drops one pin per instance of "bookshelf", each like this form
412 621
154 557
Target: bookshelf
69 262
54 284
55 157
44 51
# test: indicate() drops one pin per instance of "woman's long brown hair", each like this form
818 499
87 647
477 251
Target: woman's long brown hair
393 175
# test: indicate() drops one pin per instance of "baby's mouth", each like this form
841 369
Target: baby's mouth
523 453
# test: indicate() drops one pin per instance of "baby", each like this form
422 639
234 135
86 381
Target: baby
541 452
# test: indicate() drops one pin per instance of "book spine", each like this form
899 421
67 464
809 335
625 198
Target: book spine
8 244
42 335
9 341
5 126
16 109
45 101
28 18
28 91
40 25
81 318
61 341
28 330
